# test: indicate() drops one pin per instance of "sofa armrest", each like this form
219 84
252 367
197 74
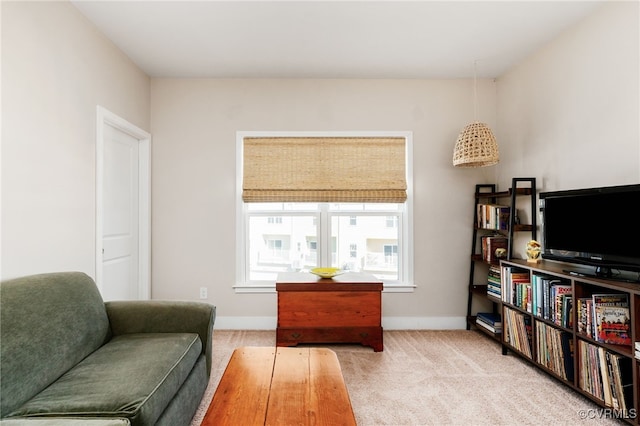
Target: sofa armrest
154 316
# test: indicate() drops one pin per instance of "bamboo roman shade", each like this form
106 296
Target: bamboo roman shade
324 169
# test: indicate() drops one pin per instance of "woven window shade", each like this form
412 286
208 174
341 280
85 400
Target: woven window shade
324 169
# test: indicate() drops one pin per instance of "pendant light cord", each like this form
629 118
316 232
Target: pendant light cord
475 91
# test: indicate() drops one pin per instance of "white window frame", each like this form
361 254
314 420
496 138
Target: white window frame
405 233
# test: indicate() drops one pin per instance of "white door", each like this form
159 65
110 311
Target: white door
122 266
120 216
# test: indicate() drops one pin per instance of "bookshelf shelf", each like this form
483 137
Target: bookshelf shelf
495 219
478 289
563 330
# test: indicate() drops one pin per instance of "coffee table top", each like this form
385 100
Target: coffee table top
278 385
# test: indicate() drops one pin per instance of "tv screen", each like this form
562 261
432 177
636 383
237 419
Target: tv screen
596 226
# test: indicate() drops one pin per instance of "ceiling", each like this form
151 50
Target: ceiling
331 39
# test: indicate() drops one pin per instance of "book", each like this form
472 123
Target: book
490 321
493 216
490 318
490 244
559 293
493 282
555 350
488 327
518 331
516 288
585 313
612 318
566 342
567 311
493 326
606 378
590 379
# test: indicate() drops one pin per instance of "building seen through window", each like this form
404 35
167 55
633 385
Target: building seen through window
293 240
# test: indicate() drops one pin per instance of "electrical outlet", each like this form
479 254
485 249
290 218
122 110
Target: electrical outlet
203 292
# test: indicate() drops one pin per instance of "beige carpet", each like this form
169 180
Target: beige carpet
434 378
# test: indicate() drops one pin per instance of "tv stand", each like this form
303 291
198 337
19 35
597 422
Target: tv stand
565 339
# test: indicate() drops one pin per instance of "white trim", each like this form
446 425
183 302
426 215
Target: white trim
241 224
407 229
104 117
388 323
245 323
406 285
271 288
424 323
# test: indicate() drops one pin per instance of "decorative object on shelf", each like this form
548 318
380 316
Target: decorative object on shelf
476 145
327 272
501 253
533 251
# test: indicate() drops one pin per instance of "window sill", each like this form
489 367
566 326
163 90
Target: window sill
271 288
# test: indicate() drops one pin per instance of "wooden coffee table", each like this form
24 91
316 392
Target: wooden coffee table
281 386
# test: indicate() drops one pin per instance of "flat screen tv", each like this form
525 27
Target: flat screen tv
599 227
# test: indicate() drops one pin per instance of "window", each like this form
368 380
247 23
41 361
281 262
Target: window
334 243
274 219
362 236
390 254
392 222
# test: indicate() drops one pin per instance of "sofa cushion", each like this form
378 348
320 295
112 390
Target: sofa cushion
133 376
50 322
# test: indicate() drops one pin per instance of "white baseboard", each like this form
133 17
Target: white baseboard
388 323
245 323
424 323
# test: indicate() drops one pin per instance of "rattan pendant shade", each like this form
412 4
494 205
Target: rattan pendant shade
324 169
476 147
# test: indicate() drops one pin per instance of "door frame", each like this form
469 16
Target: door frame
105 117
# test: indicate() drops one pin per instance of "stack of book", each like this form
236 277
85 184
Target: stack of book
606 375
490 243
516 287
493 216
518 331
494 287
490 321
605 318
552 300
555 350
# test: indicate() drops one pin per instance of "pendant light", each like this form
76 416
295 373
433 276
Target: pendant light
476 145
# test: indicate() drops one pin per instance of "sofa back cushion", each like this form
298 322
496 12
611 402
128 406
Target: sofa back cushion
48 323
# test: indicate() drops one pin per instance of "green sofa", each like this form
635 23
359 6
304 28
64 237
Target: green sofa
67 357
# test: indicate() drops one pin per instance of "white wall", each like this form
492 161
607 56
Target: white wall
569 115
56 67
194 124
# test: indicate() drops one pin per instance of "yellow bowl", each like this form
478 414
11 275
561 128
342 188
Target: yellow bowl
326 272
